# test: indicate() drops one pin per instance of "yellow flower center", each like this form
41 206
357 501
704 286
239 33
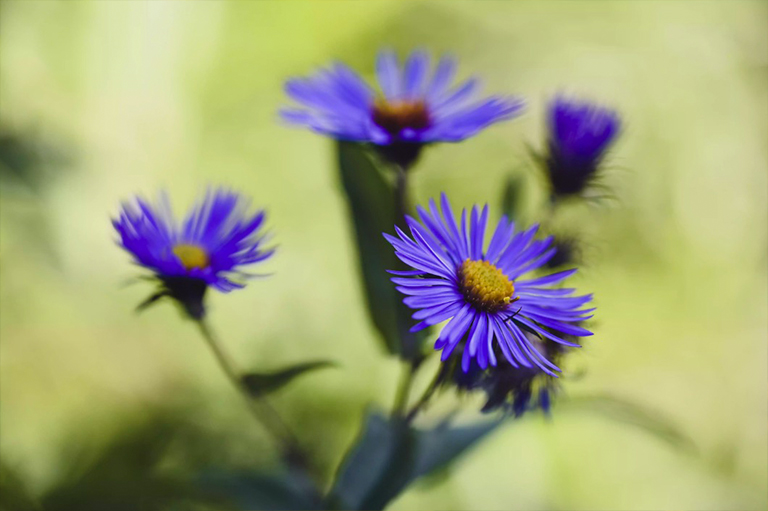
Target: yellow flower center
485 286
395 116
191 256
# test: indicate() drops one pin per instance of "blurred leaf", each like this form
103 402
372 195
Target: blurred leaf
19 160
390 455
377 466
154 462
647 419
439 447
253 491
512 195
29 164
371 196
264 383
26 158
14 495
122 476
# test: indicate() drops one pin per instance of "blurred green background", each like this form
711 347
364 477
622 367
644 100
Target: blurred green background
101 100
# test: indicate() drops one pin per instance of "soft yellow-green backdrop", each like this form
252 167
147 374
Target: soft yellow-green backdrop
173 94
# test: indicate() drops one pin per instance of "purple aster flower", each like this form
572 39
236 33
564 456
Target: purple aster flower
216 238
580 133
482 290
415 105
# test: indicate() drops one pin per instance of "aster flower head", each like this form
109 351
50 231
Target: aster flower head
580 133
483 290
414 106
217 237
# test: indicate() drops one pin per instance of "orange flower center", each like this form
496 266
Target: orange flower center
485 286
191 256
395 116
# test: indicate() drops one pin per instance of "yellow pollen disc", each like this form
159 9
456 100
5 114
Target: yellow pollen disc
191 256
395 116
485 286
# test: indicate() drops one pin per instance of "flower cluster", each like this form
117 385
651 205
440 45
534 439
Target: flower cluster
508 319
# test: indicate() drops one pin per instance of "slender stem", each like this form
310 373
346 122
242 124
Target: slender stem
425 397
402 205
403 390
257 403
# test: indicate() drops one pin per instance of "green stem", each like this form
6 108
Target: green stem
257 403
403 390
425 397
547 218
402 207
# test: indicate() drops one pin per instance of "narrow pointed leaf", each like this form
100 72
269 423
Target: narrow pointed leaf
266 382
512 196
388 456
364 480
647 419
370 195
256 491
441 446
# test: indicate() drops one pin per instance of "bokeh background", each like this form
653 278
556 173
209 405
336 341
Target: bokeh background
100 100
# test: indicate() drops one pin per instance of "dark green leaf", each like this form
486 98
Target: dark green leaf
19 160
26 159
121 476
512 196
14 495
389 455
439 447
370 195
253 491
647 419
27 166
382 449
264 383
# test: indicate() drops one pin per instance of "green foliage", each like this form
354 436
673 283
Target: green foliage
370 196
27 159
14 495
19 160
138 468
389 455
124 475
256 491
264 383
512 195
437 448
